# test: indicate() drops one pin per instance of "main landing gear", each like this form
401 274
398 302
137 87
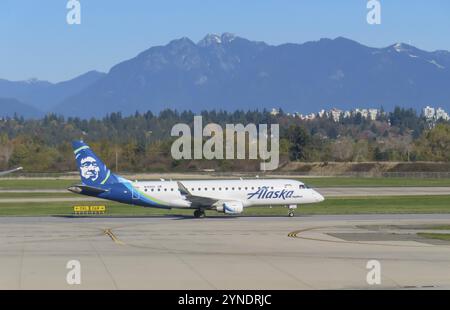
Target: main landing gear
291 210
199 213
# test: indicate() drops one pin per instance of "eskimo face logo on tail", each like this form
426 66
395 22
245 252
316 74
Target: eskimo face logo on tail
89 168
264 193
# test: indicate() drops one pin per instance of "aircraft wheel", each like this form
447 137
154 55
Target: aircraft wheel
199 213
291 214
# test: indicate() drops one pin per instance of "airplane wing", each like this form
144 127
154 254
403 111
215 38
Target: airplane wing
197 201
10 171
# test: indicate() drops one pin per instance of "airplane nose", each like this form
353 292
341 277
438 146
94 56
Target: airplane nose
319 197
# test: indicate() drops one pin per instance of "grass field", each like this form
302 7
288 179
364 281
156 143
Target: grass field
7 183
369 205
439 227
6 195
347 205
445 237
368 182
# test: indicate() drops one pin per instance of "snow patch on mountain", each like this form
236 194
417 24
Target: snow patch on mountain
436 64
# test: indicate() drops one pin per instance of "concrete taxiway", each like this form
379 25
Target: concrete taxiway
314 252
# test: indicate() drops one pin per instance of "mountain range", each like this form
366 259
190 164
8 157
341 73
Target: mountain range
229 72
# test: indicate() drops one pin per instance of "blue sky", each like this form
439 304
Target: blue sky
38 43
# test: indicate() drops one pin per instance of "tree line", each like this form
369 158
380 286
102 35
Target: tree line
142 141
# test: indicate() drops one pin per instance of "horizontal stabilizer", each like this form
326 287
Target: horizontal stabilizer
85 189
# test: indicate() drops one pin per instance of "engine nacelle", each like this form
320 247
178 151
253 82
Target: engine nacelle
230 207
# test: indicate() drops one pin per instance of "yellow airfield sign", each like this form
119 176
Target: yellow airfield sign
89 209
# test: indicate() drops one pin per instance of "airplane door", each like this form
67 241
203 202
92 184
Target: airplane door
135 194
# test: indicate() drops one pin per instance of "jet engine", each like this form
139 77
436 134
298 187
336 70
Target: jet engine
230 207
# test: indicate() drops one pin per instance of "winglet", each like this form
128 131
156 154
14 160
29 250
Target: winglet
183 190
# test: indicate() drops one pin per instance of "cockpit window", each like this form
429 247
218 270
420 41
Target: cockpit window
301 186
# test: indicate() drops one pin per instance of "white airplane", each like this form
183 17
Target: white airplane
10 171
226 196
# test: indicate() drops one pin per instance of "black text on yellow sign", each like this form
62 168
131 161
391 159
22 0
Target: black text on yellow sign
89 209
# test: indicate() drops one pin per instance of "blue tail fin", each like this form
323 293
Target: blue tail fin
93 171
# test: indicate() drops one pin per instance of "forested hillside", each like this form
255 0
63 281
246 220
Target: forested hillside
142 142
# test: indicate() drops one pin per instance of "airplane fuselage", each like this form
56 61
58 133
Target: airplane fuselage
166 194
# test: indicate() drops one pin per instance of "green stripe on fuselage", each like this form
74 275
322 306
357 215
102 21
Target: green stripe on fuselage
107 177
152 199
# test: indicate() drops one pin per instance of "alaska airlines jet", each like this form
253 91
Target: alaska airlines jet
226 196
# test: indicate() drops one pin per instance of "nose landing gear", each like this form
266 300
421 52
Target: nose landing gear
199 213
